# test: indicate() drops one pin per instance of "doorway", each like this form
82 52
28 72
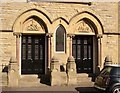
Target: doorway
33 54
82 47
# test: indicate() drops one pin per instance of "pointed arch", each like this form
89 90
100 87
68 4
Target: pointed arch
60 39
61 18
89 18
32 13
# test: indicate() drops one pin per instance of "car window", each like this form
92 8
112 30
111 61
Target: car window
115 71
105 71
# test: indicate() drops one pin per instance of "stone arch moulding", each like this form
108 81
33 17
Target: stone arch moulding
55 24
60 21
34 25
93 20
27 16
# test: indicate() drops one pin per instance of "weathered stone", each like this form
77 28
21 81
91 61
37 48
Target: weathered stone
102 17
71 71
13 73
55 72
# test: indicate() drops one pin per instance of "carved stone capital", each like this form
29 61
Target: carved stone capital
99 36
49 35
71 35
17 34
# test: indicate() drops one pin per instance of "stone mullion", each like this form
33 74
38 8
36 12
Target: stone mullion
18 35
99 51
49 48
70 43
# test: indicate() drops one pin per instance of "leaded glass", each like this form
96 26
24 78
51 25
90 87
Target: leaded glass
60 39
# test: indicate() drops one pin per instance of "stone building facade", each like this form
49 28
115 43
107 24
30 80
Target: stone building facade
38 34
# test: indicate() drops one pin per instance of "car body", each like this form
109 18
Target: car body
109 79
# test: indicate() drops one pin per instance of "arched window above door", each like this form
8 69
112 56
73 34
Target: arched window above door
60 36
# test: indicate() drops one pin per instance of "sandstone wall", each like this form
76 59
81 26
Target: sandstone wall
106 13
7 47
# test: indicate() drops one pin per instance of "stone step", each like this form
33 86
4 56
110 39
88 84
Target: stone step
82 75
29 81
83 79
29 78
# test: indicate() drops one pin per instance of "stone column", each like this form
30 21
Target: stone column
49 35
99 51
18 35
71 71
55 72
70 43
13 73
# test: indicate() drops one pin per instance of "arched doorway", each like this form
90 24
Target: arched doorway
31 31
33 54
33 46
85 46
83 53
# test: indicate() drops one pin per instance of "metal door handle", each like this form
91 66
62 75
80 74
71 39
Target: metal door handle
31 60
84 59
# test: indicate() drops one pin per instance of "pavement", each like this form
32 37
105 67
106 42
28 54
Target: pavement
49 89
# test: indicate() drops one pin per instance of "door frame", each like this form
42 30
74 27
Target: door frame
95 52
46 52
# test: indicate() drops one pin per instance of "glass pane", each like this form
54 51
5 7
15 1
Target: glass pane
89 48
73 41
36 40
41 52
36 52
105 71
24 39
78 41
79 51
60 38
85 41
29 51
85 51
24 52
29 40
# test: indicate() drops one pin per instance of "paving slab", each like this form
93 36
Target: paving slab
50 89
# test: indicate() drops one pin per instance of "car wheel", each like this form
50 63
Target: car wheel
116 90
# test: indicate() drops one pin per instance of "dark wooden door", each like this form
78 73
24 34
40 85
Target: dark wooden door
33 54
83 53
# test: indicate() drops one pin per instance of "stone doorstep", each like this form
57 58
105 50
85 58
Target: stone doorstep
82 75
28 80
84 80
34 81
29 77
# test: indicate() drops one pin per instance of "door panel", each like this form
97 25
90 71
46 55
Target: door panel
33 54
83 53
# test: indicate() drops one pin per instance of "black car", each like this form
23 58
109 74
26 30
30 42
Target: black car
108 79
